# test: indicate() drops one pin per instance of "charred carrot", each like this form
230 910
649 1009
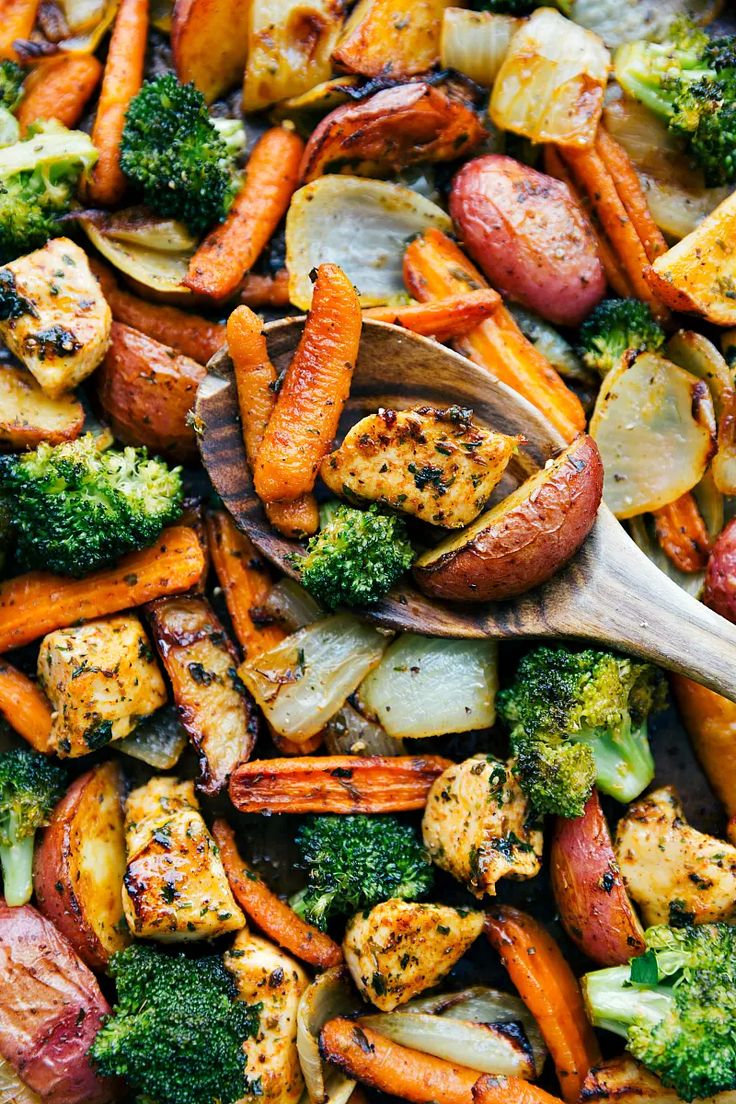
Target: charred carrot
268 912
710 722
255 379
490 1089
226 254
122 79
17 18
620 169
190 334
35 604
442 319
316 386
387 1066
245 582
682 535
59 89
25 707
265 291
335 784
434 267
550 991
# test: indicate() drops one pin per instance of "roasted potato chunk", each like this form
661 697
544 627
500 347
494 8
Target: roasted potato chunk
79 866
267 976
436 464
400 37
63 334
101 679
28 416
209 44
175 886
672 871
213 703
477 825
400 948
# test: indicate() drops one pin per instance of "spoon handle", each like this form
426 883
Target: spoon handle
616 595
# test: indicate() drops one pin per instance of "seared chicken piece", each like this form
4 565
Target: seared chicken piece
436 464
63 334
267 976
175 886
672 871
101 679
478 825
401 948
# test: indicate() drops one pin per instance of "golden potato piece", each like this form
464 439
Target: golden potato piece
209 44
400 37
28 416
401 948
436 464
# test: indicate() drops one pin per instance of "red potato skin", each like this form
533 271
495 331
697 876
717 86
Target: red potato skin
720 576
51 1008
594 906
526 544
529 236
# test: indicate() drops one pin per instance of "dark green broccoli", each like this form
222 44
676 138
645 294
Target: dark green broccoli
38 178
30 786
177 1030
615 326
356 557
579 718
76 508
356 861
676 1006
690 81
11 84
179 157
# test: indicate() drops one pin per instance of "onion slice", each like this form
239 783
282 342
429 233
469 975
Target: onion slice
474 43
291 605
137 251
330 995
350 733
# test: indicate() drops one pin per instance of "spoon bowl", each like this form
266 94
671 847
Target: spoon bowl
610 592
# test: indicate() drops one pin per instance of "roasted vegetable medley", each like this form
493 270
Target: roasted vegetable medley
256 842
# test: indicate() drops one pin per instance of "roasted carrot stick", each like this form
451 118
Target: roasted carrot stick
226 254
17 18
335 784
442 319
255 379
620 169
434 267
265 291
550 990
490 1089
710 722
387 1066
245 582
35 604
682 534
122 79
59 89
190 334
316 386
25 707
268 912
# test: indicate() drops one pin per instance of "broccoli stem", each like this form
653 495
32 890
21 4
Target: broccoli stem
623 759
16 860
613 1002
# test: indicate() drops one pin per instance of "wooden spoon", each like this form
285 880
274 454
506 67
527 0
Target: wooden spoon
609 593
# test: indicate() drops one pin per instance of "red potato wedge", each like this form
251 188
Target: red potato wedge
529 236
28 416
209 44
268 912
594 906
525 539
146 390
79 866
51 1008
720 575
335 784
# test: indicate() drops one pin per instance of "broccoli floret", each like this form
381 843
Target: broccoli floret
176 1033
676 1006
11 84
356 861
356 557
76 508
579 718
180 158
615 326
38 178
690 82
30 786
